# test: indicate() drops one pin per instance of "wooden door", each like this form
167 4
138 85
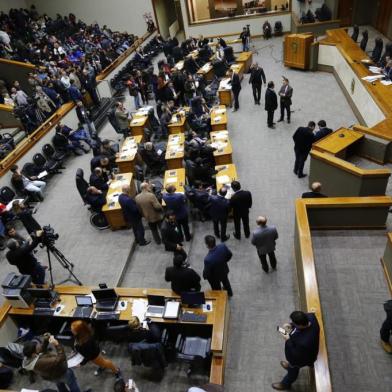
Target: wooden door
345 12
384 13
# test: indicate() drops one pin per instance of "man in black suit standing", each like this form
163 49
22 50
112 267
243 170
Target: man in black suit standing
301 348
257 77
219 211
271 104
240 202
285 93
315 193
303 140
322 132
172 236
235 88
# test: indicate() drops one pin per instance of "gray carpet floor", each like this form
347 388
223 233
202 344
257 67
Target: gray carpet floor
264 160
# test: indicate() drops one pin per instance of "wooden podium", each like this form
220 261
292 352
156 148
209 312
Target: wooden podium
297 50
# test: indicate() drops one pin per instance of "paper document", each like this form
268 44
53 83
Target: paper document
223 179
372 78
172 309
42 174
139 308
75 360
29 390
218 118
386 82
171 180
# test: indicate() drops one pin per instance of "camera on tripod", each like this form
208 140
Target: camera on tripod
48 237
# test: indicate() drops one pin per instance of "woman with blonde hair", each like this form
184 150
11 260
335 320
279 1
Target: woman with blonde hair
87 346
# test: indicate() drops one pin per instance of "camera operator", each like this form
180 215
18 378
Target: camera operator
245 38
22 257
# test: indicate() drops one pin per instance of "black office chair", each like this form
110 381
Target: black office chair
364 40
50 153
64 335
30 169
354 35
195 351
6 194
278 28
97 218
51 166
387 53
377 51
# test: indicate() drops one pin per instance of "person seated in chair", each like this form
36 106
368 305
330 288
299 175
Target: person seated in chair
155 160
95 198
74 141
267 30
104 163
29 184
99 180
137 333
182 277
109 150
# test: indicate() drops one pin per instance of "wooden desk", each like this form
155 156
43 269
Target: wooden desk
137 125
338 142
224 92
127 155
246 59
219 118
225 176
217 318
175 151
177 125
207 70
175 177
238 68
220 140
113 212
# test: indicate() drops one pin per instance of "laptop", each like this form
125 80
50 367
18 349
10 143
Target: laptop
156 306
107 299
84 306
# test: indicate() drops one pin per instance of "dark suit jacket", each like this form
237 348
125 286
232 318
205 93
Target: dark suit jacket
215 263
99 182
219 207
289 93
310 195
182 279
129 208
171 236
177 203
322 133
271 100
303 346
303 139
23 257
240 202
257 76
83 115
235 83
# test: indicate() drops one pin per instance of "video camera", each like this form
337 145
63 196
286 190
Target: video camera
48 237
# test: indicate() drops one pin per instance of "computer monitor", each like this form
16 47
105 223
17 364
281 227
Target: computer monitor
156 300
103 294
193 298
83 300
41 293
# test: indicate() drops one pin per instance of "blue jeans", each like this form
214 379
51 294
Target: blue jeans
70 380
136 98
245 47
81 135
291 376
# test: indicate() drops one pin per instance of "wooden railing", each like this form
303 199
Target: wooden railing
27 143
346 210
18 63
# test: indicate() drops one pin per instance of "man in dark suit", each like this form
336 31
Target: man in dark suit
99 180
285 93
216 270
240 202
303 140
95 198
132 215
257 77
301 347
322 132
264 239
172 236
176 202
386 328
219 211
271 104
182 277
315 191
235 88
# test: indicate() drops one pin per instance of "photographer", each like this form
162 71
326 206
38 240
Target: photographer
22 257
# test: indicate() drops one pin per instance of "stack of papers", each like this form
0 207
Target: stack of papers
372 78
225 179
375 70
386 82
220 111
139 308
218 118
171 180
75 360
225 84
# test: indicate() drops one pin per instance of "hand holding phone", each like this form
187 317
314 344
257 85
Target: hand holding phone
281 330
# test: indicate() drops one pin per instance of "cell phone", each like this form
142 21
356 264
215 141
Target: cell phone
281 330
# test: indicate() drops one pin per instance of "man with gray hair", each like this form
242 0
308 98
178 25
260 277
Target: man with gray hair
315 193
264 239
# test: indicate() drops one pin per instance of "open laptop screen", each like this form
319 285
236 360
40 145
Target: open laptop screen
104 294
156 300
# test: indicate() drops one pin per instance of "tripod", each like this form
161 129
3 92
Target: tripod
66 264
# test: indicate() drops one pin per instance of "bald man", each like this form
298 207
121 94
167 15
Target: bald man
315 191
264 239
132 215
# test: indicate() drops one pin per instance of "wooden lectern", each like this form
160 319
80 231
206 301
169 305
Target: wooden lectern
297 50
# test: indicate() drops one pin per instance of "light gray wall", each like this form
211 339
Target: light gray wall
166 15
121 15
6 5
